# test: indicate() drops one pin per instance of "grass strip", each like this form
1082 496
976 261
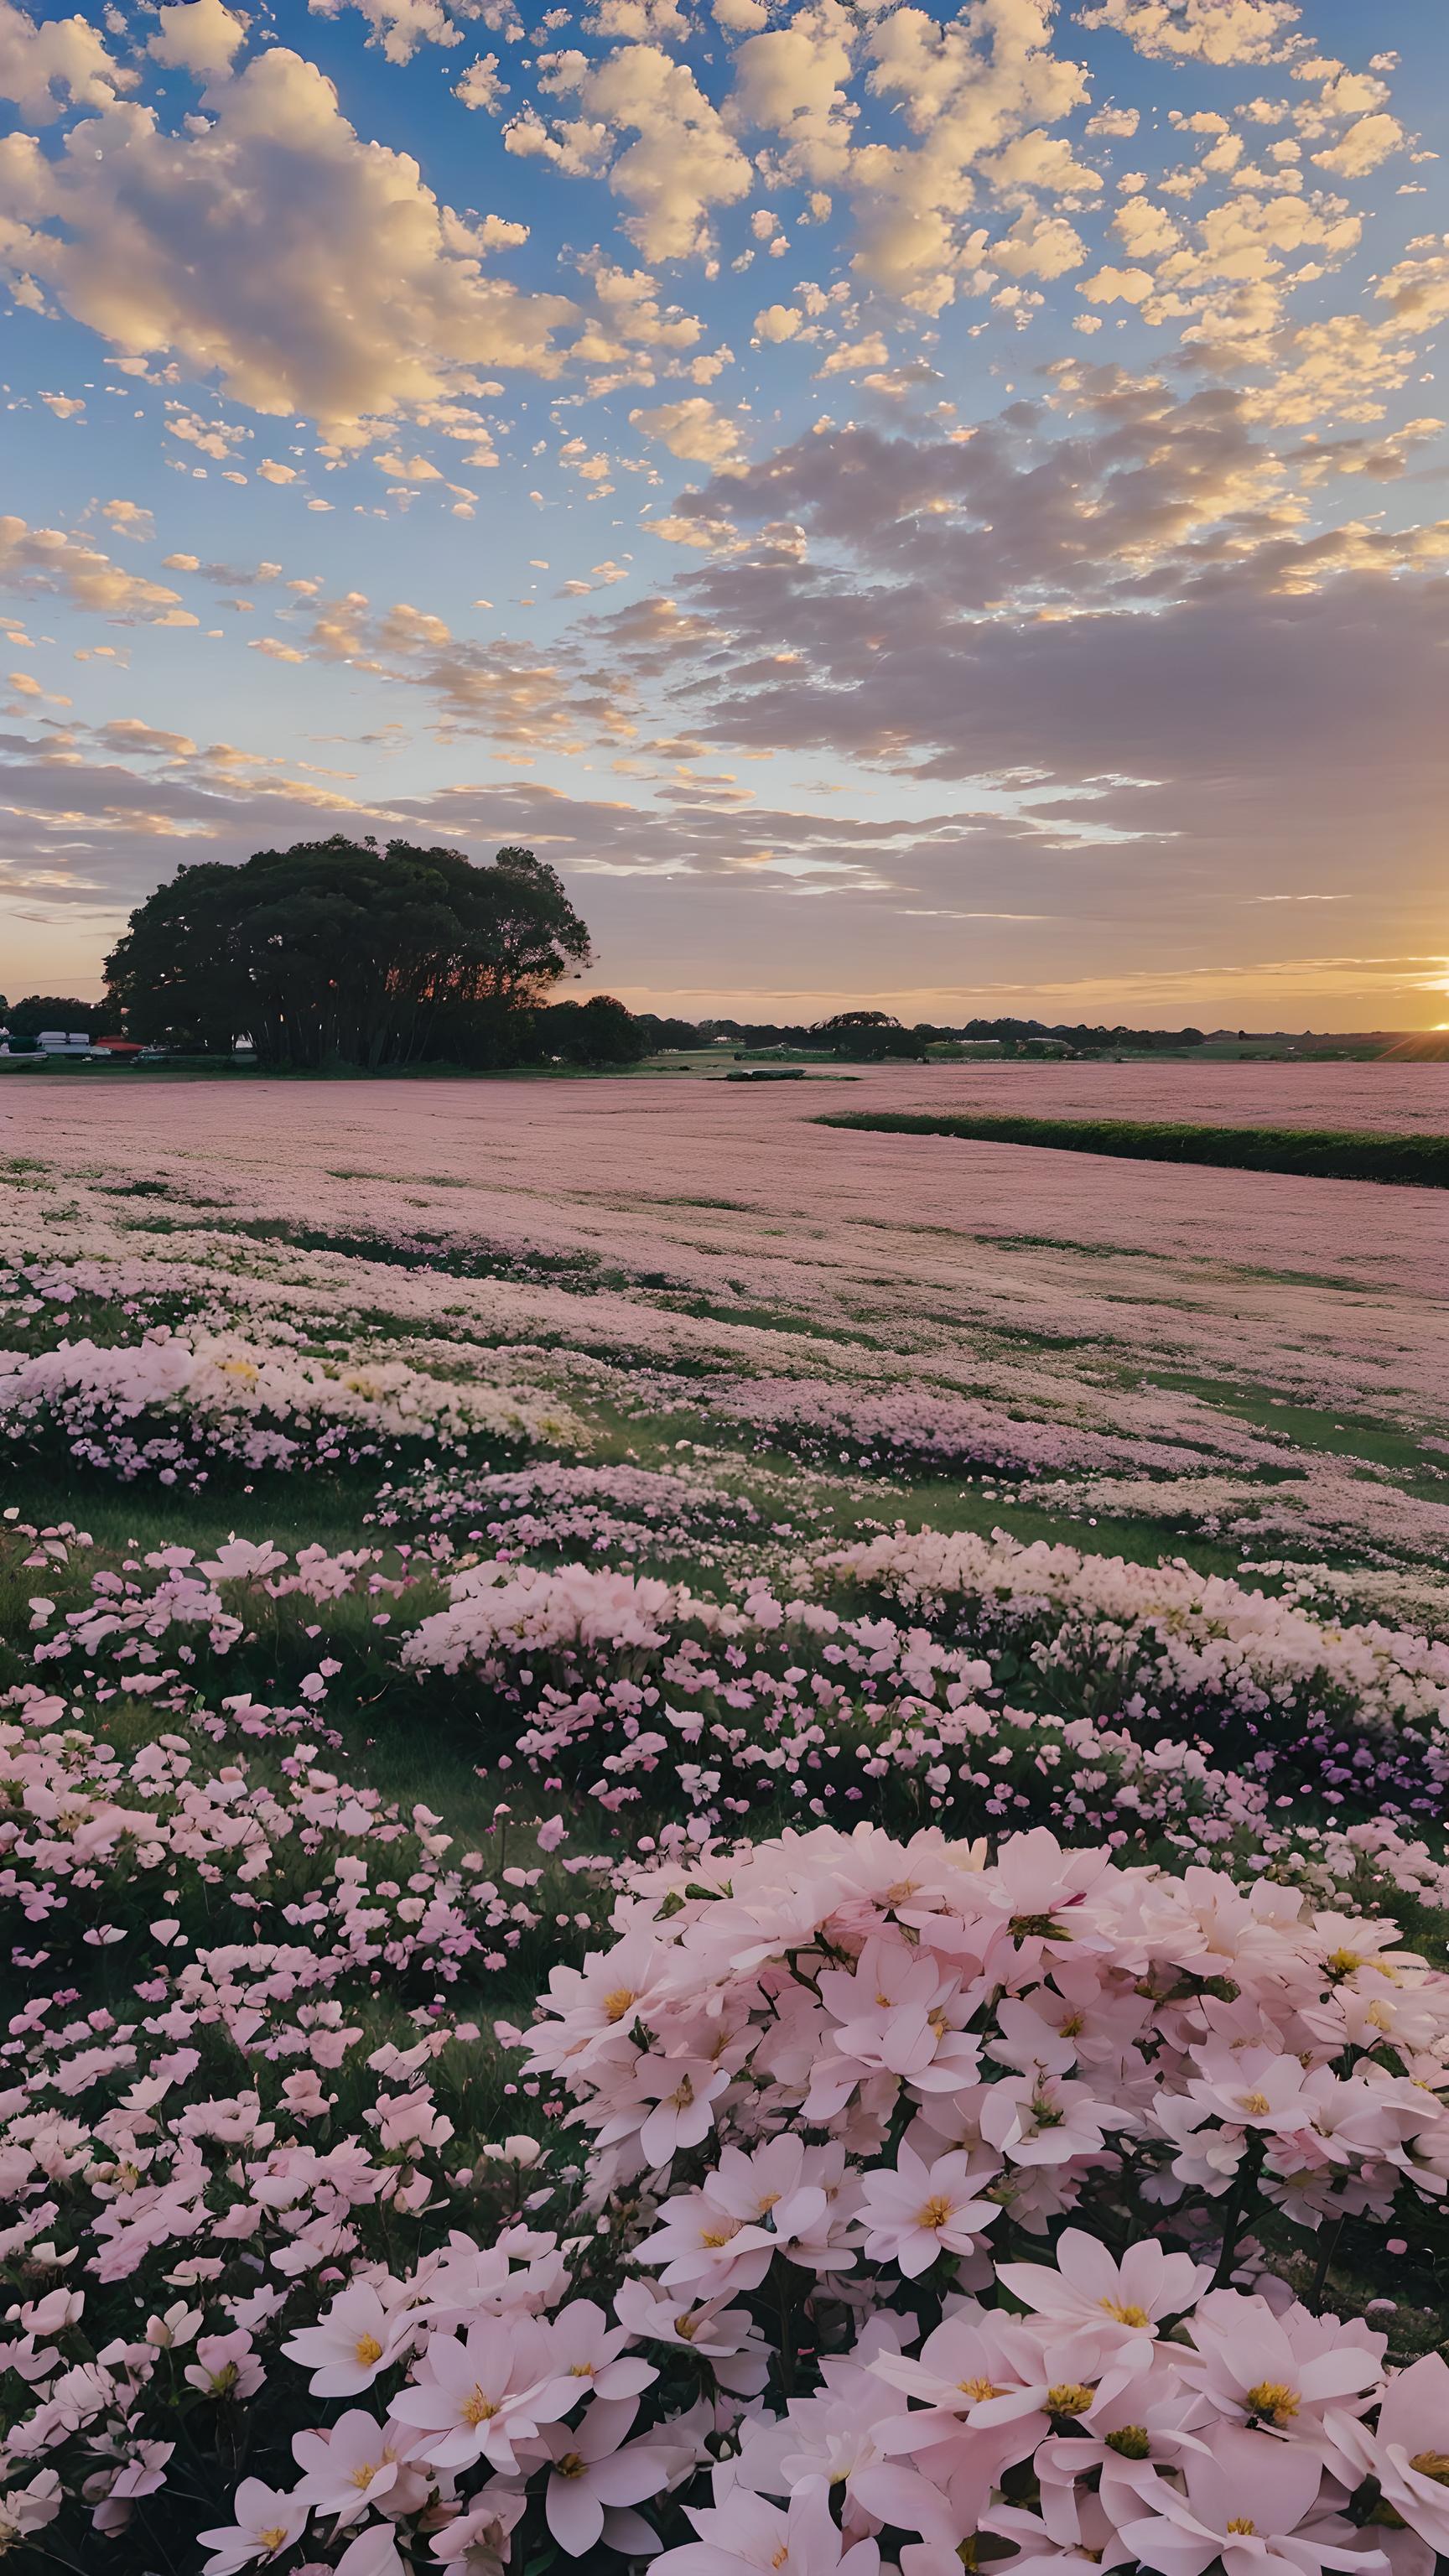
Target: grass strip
1325 1153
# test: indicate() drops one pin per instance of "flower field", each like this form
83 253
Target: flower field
722 1845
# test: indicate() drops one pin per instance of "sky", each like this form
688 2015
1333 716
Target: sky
936 508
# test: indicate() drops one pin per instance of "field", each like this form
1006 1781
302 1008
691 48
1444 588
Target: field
721 1837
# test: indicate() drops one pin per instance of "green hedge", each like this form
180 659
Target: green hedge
1328 1153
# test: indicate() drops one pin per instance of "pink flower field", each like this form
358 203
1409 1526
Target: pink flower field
722 1845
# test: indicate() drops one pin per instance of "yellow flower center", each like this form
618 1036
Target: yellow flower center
617 2004
1256 2104
274 2537
716 2236
1243 2522
1342 1963
581 2370
934 2213
570 2466
1125 2314
1272 2399
978 2390
366 2351
479 2409
687 2327
1069 2399
1432 2464
1130 2442
362 2476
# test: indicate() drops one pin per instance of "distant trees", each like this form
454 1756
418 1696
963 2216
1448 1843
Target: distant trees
873 1035
596 1032
337 952
38 1011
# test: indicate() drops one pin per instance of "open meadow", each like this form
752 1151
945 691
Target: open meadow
723 1841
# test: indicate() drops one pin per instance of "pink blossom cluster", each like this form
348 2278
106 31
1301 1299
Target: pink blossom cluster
159 1623
173 1405
933 2177
1146 1641
231 2079
915 1424
645 1696
628 1511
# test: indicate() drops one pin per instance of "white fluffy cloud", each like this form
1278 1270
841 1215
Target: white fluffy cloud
47 561
1363 147
683 163
398 27
64 63
1210 31
307 270
198 36
692 429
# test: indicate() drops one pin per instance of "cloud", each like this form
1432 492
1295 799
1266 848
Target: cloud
1209 31
398 27
48 562
778 322
128 519
481 86
692 429
311 272
199 36
683 164
64 63
1040 246
1120 636
1363 147
792 82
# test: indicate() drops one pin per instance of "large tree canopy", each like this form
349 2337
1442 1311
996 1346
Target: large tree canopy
336 951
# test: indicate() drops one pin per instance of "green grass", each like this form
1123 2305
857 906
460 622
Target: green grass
1324 1153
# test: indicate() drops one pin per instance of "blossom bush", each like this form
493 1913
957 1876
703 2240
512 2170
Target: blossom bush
175 1406
853 2049
1166 1645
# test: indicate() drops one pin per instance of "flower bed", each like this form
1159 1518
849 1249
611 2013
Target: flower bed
178 1407
1359 1709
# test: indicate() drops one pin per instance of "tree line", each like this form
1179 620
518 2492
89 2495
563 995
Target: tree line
338 952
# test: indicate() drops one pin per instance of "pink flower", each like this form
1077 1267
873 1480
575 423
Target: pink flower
1088 2288
1247 2502
477 2394
683 2092
915 2211
480 2535
583 2346
360 2464
592 2478
226 2366
354 2341
1409 2451
746 2533
267 2522
1279 2372
785 2197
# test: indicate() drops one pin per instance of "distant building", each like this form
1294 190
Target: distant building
63 1041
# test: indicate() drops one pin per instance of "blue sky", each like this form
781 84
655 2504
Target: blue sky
937 507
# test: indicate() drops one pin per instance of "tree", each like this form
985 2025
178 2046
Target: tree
596 1032
40 1011
871 1034
335 951
676 1034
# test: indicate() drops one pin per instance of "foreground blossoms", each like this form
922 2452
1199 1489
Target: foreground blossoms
922 2203
576 2001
